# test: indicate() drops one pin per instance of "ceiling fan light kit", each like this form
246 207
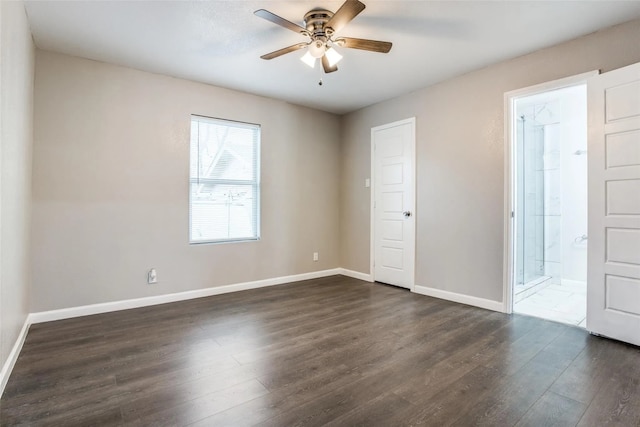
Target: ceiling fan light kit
320 26
308 59
333 56
317 48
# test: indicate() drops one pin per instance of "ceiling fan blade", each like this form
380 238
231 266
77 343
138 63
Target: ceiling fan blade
272 17
349 10
282 51
325 64
364 44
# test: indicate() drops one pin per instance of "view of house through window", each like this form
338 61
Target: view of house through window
224 201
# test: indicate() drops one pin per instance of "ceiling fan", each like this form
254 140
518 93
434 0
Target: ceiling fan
321 26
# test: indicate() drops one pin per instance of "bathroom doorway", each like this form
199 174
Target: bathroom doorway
549 203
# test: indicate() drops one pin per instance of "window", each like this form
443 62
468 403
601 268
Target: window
224 201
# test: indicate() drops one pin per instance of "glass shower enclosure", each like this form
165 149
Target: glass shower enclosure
529 200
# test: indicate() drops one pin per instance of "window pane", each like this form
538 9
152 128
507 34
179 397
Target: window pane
222 211
221 151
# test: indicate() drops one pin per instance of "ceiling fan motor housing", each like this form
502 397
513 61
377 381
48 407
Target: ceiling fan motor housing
315 21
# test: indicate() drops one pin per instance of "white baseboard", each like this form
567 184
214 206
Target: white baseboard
356 274
13 356
86 310
461 298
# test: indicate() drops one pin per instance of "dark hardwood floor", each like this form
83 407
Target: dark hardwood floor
333 351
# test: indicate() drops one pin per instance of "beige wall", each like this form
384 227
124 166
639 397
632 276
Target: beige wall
16 139
460 162
110 185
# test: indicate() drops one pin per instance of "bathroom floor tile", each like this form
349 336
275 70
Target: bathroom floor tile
561 303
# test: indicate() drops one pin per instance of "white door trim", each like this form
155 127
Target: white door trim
509 172
412 121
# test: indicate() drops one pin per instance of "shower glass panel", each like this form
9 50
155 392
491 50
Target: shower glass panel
530 199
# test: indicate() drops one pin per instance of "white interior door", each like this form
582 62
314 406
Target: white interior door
613 287
393 148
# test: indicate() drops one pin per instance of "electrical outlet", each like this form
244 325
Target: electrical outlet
152 276
315 256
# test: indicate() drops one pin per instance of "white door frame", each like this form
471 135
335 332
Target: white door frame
509 172
412 121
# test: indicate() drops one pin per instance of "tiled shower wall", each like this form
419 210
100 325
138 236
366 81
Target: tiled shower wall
552 215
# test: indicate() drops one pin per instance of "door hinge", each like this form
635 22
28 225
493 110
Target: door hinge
512 214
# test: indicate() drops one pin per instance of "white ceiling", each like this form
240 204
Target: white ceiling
220 42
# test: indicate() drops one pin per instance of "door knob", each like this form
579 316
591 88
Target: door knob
406 214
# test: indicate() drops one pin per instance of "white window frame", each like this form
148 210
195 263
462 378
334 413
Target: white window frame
255 183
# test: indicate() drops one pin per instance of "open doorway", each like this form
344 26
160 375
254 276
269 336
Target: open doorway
549 203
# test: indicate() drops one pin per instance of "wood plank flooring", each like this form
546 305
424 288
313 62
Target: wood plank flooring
334 351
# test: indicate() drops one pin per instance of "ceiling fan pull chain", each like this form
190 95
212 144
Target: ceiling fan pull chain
320 82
